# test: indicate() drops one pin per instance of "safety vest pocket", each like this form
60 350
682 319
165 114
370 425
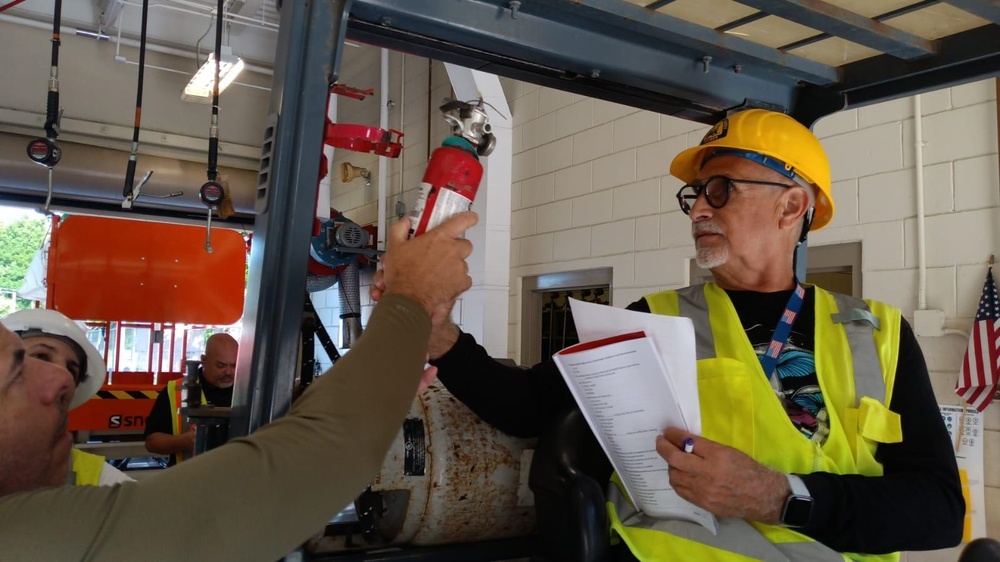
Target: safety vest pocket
725 391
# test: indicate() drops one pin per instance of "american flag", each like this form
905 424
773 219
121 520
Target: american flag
977 383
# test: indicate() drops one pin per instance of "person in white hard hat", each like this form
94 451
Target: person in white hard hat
316 458
52 337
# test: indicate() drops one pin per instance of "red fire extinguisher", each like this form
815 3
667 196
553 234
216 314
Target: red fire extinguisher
453 173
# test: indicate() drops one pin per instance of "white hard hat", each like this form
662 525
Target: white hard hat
50 322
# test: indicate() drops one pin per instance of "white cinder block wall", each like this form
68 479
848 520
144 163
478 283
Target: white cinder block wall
591 190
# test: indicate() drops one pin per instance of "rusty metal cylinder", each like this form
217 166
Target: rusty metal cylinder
466 481
448 478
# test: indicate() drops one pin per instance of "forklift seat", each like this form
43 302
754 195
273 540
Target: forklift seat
981 550
568 474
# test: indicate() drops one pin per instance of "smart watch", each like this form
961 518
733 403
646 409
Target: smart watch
798 505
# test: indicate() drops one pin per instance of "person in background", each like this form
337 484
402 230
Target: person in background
256 497
165 431
52 337
821 435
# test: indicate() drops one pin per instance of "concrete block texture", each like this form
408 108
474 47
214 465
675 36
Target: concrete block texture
636 199
637 129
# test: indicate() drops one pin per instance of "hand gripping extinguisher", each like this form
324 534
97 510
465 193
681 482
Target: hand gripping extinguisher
453 173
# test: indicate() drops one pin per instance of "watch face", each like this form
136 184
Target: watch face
797 511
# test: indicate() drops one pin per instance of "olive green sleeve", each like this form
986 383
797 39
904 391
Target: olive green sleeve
256 498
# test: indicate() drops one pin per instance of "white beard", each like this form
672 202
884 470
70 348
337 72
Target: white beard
709 258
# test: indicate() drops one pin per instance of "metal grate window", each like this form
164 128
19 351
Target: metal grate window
558 329
546 319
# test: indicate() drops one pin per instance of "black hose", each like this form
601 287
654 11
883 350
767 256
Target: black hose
130 170
52 102
213 138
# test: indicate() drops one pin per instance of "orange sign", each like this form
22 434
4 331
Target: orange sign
119 407
118 269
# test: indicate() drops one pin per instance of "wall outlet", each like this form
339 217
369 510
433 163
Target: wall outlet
928 323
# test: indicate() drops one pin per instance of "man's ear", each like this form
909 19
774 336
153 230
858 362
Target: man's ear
795 206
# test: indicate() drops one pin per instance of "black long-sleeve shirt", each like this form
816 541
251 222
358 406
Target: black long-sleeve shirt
916 505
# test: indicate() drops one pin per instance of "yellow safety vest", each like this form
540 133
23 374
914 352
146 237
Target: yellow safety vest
177 420
86 468
856 349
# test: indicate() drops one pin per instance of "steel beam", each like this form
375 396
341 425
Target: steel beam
667 32
690 95
849 25
603 34
881 17
962 57
307 62
703 110
743 21
630 56
986 9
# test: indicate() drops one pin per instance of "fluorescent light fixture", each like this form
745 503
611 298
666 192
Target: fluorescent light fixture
199 89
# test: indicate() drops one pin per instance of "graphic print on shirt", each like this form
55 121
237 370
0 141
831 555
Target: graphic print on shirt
796 382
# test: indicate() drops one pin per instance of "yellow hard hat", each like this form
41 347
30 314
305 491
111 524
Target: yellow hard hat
776 136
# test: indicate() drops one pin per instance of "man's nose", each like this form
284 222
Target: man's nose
55 384
701 210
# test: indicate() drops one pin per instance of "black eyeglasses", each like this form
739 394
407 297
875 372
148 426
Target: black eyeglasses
716 190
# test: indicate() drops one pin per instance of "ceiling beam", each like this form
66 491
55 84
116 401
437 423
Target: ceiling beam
849 25
598 15
742 21
983 8
963 57
605 34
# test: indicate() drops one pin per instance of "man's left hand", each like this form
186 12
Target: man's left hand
721 479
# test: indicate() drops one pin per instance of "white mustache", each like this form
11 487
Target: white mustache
705 227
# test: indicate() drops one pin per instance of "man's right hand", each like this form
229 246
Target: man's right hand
430 268
444 333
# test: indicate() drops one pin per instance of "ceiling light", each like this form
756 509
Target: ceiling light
199 89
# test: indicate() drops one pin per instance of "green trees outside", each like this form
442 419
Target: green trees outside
19 240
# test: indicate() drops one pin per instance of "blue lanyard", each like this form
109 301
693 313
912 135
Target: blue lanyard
770 359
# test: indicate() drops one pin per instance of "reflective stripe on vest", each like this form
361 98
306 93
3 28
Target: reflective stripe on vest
86 468
736 540
855 367
177 420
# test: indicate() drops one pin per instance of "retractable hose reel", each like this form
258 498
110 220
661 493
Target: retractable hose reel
131 191
44 150
213 193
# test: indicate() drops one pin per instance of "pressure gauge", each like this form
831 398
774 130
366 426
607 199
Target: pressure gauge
44 151
211 193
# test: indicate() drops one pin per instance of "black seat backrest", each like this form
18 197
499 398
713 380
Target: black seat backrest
981 550
569 472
